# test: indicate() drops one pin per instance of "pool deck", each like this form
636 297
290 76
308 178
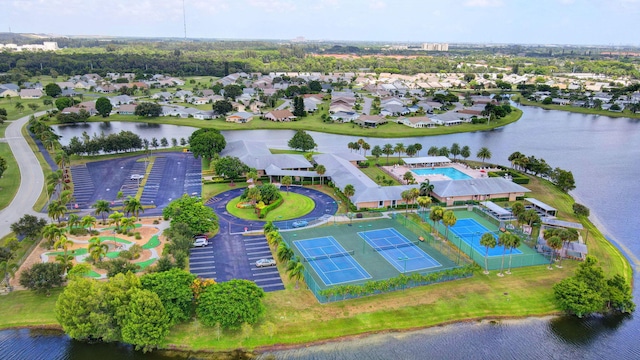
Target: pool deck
398 172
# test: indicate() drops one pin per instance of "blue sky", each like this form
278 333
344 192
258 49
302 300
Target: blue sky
605 22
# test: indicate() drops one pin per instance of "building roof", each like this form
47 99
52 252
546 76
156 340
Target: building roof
566 224
541 205
426 160
496 208
483 186
257 155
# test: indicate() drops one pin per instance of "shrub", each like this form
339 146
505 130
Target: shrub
155 222
580 209
137 235
78 231
125 254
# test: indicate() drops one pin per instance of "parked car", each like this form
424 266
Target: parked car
137 176
200 236
265 263
300 223
200 242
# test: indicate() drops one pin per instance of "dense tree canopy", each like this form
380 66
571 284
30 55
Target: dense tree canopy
42 277
206 143
301 140
191 211
222 107
230 167
145 322
231 304
52 89
174 290
29 226
103 106
148 109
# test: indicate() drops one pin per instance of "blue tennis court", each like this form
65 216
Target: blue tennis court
470 231
398 250
333 264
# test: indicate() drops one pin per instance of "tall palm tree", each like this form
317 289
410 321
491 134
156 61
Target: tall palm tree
436 215
504 240
488 241
405 196
515 243
74 220
349 191
274 238
66 260
19 106
97 248
387 149
116 219
133 206
320 169
295 269
56 210
88 221
426 188
484 153
62 159
102 207
400 149
128 222
455 150
555 243
119 197
254 195
567 236
465 152
63 242
287 181
449 219
433 151
423 202
284 253
418 147
365 147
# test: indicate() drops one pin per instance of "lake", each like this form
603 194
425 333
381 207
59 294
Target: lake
604 155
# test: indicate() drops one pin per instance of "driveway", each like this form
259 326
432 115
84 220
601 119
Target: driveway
366 105
30 172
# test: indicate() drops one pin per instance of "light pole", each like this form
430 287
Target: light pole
404 258
336 214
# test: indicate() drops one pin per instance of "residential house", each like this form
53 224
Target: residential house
280 115
345 116
66 85
394 110
483 189
370 121
30 94
256 155
240 117
120 100
183 94
126 109
164 95
8 93
416 122
205 115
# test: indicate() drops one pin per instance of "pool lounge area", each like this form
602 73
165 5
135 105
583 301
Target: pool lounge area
450 172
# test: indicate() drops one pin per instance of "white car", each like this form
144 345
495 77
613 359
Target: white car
265 263
137 176
200 242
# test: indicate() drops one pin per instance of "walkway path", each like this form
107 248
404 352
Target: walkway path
31 175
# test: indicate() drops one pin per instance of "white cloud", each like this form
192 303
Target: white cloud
483 3
377 4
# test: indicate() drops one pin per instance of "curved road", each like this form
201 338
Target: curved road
31 177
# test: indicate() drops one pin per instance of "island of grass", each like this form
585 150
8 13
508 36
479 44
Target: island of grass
293 206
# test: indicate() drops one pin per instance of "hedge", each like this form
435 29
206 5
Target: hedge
265 210
515 176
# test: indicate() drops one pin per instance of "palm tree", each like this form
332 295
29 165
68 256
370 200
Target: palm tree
567 236
436 215
399 148
408 177
515 243
119 197
88 221
413 194
62 159
365 147
97 248
254 195
426 188
284 253
433 151
66 260
514 157
19 107
488 241
465 152
455 150
405 196
349 191
295 269
62 242
73 221
133 206
128 222
320 169
449 219
418 147
555 243
484 153
56 210
387 149
274 238
116 218
51 233
517 208
102 207
423 202
503 240
286 181
443 151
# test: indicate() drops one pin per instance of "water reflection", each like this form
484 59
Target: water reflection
575 331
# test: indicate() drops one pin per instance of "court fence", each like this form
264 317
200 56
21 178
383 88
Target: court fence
374 287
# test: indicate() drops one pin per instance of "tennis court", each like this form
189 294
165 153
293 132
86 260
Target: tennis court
333 264
403 254
470 231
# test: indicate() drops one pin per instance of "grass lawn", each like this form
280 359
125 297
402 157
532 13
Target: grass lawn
373 172
13 113
46 169
153 242
580 110
3 128
10 180
26 308
295 152
211 190
314 123
293 206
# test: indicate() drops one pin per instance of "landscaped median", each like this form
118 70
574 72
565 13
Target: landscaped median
293 206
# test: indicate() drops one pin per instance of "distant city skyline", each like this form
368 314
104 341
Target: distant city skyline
577 22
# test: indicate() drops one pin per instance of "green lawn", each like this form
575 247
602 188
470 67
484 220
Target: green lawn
153 242
314 123
10 180
3 128
26 308
13 113
373 172
580 110
211 190
293 206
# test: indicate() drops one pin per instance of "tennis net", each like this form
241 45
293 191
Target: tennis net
328 256
395 246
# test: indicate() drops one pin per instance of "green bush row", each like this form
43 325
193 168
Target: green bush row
265 210
515 176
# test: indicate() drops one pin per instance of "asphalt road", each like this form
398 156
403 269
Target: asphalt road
31 175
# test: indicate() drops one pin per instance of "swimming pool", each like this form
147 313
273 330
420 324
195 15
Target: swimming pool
452 173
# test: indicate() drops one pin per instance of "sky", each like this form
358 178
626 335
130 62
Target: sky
579 22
